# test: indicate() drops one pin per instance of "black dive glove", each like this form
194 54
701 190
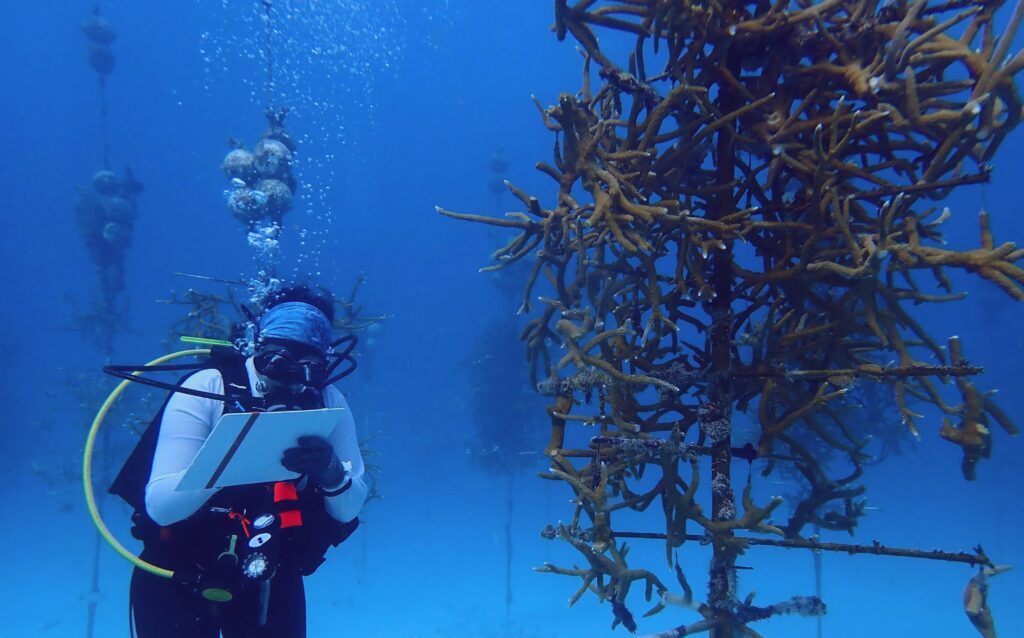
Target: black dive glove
315 458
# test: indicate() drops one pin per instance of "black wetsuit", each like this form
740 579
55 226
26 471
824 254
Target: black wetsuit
165 609
175 608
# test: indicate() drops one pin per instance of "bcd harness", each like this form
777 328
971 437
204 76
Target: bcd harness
243 535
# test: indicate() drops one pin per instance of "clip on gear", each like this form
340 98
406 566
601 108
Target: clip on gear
249 557
251 550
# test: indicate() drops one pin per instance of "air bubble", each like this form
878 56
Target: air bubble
328 55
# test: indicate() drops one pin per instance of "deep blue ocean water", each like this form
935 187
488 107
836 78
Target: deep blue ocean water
405 116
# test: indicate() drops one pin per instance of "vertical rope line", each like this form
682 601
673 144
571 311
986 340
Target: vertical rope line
106 327
268 51
90 623
817 581
508 544
104 140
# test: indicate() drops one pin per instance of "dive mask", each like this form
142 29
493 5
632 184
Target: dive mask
292 365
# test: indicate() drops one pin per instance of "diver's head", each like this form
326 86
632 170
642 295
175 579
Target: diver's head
294 339
320 298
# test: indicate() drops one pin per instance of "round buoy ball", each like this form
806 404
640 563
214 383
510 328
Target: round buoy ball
117 235
279 197
101 58
119 210
247 205
273 159
281 134
106 182
239 164
98 30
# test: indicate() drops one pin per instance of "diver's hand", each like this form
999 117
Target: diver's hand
315 457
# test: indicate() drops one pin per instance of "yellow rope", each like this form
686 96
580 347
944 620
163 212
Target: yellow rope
90 443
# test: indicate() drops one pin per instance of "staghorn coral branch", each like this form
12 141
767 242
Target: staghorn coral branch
978 557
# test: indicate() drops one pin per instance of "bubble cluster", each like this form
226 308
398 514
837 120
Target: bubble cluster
326 59
265 242
325 53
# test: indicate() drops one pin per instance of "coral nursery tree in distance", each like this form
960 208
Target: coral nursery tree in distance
748 212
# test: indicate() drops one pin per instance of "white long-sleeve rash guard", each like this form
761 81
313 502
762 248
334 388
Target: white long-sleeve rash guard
189 419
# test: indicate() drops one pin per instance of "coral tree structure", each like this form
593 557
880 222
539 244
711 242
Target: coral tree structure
221 316
105 212
744 222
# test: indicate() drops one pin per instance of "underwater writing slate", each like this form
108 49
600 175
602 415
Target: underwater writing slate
246 447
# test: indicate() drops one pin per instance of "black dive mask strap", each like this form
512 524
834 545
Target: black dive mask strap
344 356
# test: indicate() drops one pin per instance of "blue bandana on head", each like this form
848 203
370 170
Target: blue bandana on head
297 321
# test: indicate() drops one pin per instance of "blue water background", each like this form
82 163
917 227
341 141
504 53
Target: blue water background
430 559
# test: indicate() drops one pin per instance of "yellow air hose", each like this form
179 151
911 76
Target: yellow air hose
90 443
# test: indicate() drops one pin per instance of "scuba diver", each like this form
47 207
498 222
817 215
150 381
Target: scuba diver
239 554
